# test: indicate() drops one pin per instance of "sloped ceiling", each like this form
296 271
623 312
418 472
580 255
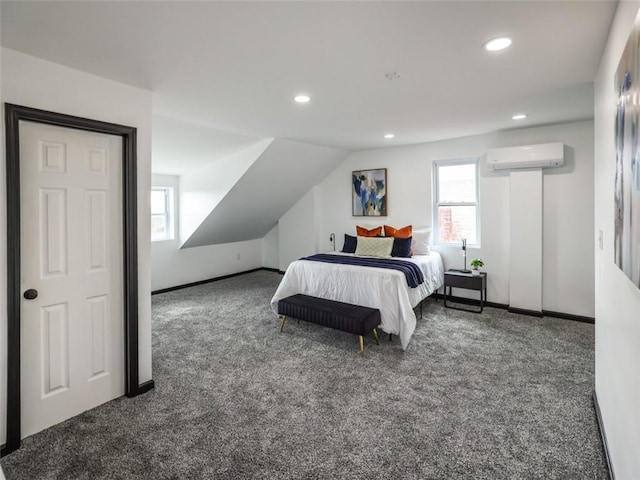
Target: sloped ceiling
272 185
201 190
180 147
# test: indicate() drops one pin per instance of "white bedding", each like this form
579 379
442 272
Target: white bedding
380 288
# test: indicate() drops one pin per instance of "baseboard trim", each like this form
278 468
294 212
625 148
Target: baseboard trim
470 301
569 316
544 313
142 389
146 386
209 280
603 436
524 311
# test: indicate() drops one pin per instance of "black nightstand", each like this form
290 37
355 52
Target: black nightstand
469 281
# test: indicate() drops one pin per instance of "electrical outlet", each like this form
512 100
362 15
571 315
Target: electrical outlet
238 256
600 239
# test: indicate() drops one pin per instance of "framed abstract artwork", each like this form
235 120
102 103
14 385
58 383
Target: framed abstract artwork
369 193
627 172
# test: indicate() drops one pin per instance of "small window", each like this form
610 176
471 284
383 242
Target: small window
456 201
161 213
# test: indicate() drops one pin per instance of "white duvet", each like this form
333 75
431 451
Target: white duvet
380 288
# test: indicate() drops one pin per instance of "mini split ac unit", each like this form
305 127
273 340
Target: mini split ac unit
544 155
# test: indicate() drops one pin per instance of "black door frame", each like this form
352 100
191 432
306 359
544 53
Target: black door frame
13 115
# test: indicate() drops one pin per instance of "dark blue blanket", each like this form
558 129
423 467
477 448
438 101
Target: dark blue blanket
411 271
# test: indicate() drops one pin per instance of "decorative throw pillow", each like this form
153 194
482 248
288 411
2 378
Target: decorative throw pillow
349 244
365 232
401 247
374 247
421 241
404 232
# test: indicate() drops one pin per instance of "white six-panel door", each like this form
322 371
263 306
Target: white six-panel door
72 335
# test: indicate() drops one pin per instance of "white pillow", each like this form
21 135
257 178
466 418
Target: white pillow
374 247
421 243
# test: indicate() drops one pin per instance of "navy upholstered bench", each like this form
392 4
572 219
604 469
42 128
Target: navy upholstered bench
347 317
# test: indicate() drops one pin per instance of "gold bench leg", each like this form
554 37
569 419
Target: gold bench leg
375 334
282 323
361 345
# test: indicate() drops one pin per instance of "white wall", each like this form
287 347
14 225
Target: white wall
617 299
32 82
270 247
567 209
297 230
525 248
172 266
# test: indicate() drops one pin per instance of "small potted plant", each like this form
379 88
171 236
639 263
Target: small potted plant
476 263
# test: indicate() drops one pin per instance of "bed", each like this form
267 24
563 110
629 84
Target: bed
381 288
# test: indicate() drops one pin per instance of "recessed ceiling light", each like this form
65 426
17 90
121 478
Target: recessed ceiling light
519 116
302 98
497 44
389 135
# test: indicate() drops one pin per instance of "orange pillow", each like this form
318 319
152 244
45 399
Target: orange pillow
363 232
404 232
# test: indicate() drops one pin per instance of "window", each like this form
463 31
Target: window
456 201
161 213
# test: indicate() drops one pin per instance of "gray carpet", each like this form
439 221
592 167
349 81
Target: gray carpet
491 396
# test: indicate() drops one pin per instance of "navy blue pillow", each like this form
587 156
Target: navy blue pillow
350 244
401 247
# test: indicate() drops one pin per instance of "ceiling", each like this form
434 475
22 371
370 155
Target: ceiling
180 147
235 66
